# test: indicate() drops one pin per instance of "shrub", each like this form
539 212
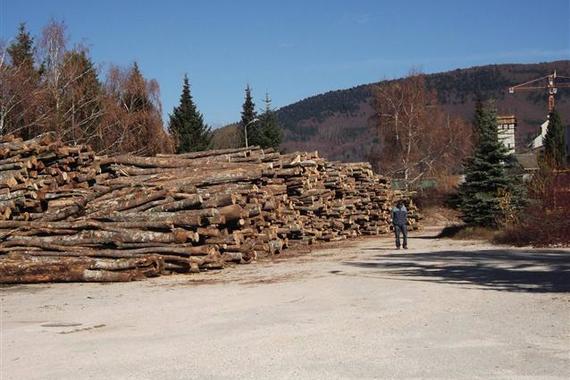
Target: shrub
546 220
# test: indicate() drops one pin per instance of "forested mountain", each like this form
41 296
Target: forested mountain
340 124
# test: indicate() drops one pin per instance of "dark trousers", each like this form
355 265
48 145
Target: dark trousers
403 229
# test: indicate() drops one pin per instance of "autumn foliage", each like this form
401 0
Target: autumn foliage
417 139
545 221
48 86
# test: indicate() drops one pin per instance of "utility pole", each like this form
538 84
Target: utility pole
245 130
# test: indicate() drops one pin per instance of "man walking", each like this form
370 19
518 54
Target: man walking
399 221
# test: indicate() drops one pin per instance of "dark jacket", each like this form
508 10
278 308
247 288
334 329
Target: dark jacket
400 216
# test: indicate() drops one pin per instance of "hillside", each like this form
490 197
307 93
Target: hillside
340 125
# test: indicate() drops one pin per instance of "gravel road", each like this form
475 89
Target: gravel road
444 309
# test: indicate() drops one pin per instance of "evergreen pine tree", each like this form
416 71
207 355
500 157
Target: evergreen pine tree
248 114
187 124
270 132
491 189
554 150
136 96
26 80
21 51
81 101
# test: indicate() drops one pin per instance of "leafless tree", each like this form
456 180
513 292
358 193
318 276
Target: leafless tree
133 114
122 115
53 48
417 138
5 97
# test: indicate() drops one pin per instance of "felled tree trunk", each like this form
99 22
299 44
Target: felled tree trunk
78 269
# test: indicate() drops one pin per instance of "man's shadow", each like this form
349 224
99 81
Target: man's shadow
503 270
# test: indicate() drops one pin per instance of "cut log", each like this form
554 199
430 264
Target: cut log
78 269
193 201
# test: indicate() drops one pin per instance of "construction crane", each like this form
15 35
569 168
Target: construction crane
550 83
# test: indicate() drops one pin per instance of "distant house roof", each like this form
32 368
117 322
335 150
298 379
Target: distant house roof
506 119
527 160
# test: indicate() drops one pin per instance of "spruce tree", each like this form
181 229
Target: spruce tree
25 81
554 149
248 114
136 97
81 101
21 51
491 189
187 124
270 133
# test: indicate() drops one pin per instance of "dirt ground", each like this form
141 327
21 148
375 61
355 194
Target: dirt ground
442 309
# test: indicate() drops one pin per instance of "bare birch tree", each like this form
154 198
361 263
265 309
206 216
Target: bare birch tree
52 52
417 139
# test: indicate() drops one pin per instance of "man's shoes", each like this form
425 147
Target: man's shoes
397 247
405 247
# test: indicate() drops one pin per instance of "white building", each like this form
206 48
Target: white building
506 127
539 140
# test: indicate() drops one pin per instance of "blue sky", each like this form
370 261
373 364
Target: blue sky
295 49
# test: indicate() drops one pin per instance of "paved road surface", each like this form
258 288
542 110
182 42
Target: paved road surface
441 310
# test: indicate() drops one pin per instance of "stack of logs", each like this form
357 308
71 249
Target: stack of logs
127 217
39 172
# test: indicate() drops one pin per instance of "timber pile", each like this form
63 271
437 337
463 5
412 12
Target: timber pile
40 175
127 217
